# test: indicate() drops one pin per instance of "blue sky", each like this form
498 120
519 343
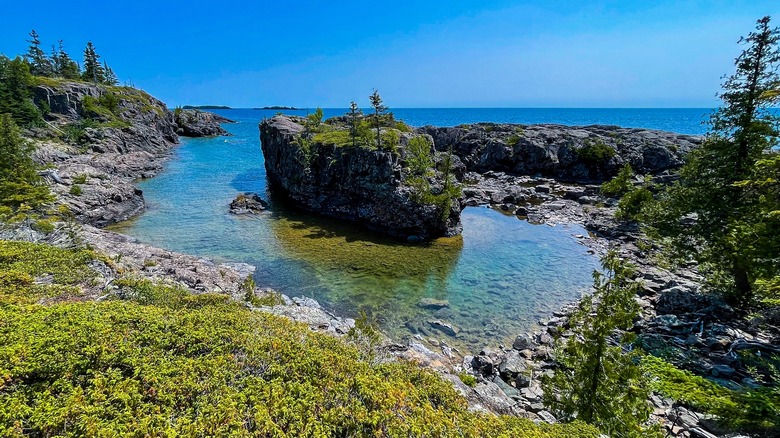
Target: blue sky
416 53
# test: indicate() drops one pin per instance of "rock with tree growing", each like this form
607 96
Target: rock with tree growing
338 168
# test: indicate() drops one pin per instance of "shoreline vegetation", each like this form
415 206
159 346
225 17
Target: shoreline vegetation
99 342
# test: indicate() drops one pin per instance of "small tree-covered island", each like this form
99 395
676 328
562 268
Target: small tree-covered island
104 334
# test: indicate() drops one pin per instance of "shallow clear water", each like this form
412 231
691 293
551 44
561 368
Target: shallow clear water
499 277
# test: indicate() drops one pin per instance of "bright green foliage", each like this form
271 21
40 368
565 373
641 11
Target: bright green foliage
467 379
750 409
314 120
15 97
169 363
20 185
22 262
595 153
419 157
403 127
720 212
337 138
597 382
620 184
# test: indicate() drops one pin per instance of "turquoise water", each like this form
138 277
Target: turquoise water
499 277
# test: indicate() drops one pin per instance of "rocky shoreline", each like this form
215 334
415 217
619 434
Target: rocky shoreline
508 376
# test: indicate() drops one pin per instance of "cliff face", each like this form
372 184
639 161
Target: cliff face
578 154
108 137
353 183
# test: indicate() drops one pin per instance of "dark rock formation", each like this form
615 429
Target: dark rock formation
585 154
248 203
354 183
196 123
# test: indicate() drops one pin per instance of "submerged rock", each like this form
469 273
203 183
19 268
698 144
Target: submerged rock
444 327
432 303
248 203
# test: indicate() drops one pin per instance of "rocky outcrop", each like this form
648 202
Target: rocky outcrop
359 184
197 123
247 203
567 153
112 136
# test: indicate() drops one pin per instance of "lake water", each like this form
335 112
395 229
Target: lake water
500 277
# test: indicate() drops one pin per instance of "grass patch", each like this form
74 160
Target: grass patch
595 153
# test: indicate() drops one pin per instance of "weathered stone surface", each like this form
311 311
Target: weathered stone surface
352 183
197 123
248 203
555 150
444 327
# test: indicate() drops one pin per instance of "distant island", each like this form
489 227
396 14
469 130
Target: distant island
206 107
276 107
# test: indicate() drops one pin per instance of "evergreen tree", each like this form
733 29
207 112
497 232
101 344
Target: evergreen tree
93 70
111 78
40 65
67 67
379 110
15 96
353 118
20 184
598 382
709 215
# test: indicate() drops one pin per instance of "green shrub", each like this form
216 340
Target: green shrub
165 362
595 153
80 178
751 409
44 225
620 184
75 190
403 127
419 157
632 204
337 138
467 379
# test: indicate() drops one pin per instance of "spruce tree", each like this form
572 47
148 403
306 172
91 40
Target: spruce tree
111 78
709 215
596 381
15 95
93 70
67 67
40 65
379 110
20 184
353 117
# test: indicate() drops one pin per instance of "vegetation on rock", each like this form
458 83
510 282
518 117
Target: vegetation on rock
158 360
598 382
724 210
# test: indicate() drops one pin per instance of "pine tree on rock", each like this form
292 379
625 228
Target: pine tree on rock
67 67
40 65
596 381
354 121
93 70
111 78
709 215
379 110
